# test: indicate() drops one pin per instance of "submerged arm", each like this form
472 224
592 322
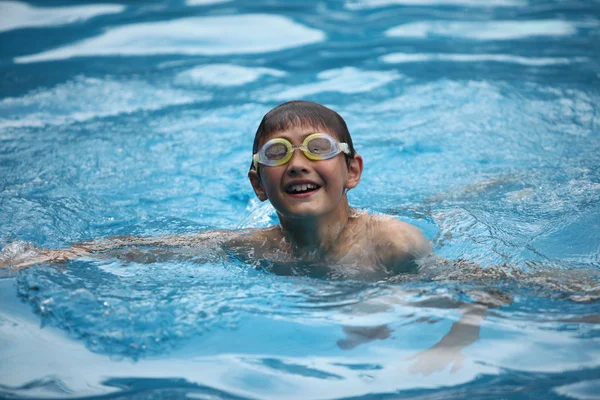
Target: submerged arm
462 334
448 350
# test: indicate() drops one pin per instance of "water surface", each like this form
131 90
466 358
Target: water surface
478 122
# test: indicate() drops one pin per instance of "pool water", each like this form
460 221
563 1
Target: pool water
478 122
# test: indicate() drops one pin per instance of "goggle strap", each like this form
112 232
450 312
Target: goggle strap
344 148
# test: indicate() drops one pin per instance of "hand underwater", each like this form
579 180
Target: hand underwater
447 351
20 255
436 359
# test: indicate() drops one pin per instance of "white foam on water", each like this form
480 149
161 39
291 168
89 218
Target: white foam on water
223 75
488 30
362 4
77 101
16 14
399 58
346 80
259 215
220 35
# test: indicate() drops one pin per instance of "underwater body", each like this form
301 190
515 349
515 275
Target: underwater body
478 122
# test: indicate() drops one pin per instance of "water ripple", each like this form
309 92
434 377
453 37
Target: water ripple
23 15
252 33
223 75
77 101
344 80
366 4
489 30
398 58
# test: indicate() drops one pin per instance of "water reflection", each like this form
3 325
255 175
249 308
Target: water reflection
205 2
343 80
221 35
399 58
77 101
18 15
223 75
488 30
363 4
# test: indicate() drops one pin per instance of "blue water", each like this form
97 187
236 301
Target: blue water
478 122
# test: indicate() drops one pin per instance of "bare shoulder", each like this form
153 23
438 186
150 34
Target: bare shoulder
397 241
253 244
253 237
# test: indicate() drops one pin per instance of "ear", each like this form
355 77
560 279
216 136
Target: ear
354 171
257 185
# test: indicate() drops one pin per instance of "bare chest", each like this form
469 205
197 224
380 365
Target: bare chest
353 258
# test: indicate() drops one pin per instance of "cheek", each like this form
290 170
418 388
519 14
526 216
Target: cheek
271 177
334 172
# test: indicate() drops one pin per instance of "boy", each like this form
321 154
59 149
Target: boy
304 163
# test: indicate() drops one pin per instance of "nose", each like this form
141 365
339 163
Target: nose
298 164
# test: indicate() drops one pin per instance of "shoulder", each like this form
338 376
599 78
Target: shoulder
398 242
252 237
254 243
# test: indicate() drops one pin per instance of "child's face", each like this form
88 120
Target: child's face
283 185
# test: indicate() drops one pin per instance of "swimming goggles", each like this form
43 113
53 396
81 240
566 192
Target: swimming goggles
317 146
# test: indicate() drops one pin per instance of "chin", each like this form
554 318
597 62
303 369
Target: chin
301 212
308 213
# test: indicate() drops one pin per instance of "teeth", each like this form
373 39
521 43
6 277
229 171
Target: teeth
302 187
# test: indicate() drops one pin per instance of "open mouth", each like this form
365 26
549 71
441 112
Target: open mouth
302 188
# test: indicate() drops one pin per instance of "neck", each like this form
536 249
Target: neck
316 234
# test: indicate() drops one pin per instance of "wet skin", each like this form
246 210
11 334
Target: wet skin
318 224
332 177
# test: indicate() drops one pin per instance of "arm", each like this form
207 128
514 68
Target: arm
401 245
463 333
19 255
448 350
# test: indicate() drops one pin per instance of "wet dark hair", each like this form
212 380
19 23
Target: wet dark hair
305 114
